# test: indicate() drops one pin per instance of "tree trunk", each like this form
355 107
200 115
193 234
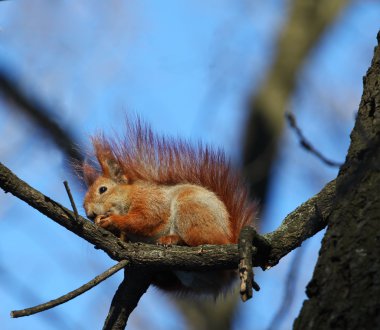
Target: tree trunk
344 292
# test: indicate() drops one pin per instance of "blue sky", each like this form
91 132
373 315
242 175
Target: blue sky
186 67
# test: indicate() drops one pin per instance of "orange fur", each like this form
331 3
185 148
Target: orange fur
158 190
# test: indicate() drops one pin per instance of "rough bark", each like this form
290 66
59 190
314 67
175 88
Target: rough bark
126 298
344 292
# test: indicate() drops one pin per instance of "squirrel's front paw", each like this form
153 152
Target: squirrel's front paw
104 221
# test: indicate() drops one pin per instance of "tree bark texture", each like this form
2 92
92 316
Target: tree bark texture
344 292
126 298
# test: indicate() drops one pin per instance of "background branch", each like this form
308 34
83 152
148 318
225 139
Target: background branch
305 25
288 294
39 113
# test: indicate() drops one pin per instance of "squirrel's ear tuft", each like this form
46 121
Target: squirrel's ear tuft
90 174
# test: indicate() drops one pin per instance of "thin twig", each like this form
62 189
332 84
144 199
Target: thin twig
306 144
71 199
71 295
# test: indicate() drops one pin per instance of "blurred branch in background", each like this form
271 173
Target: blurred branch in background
307 21
288 294
41 116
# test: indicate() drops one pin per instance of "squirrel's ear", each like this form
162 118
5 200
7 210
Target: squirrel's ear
111 168
90 174
109 164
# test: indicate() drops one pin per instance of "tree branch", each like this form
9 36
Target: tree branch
126 298
306 144
71 295
299 225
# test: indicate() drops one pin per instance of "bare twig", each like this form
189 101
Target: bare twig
306 144
71 199
71 295
126 298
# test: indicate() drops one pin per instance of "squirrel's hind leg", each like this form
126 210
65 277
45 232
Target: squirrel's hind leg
172 239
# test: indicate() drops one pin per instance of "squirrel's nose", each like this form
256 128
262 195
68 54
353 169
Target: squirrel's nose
91 214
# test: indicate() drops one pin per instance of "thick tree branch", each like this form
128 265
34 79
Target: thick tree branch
299 225
126 298
304 222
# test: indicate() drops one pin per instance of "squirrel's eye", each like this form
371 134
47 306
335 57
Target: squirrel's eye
102 189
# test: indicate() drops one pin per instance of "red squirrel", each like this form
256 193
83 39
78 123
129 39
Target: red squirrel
157 190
